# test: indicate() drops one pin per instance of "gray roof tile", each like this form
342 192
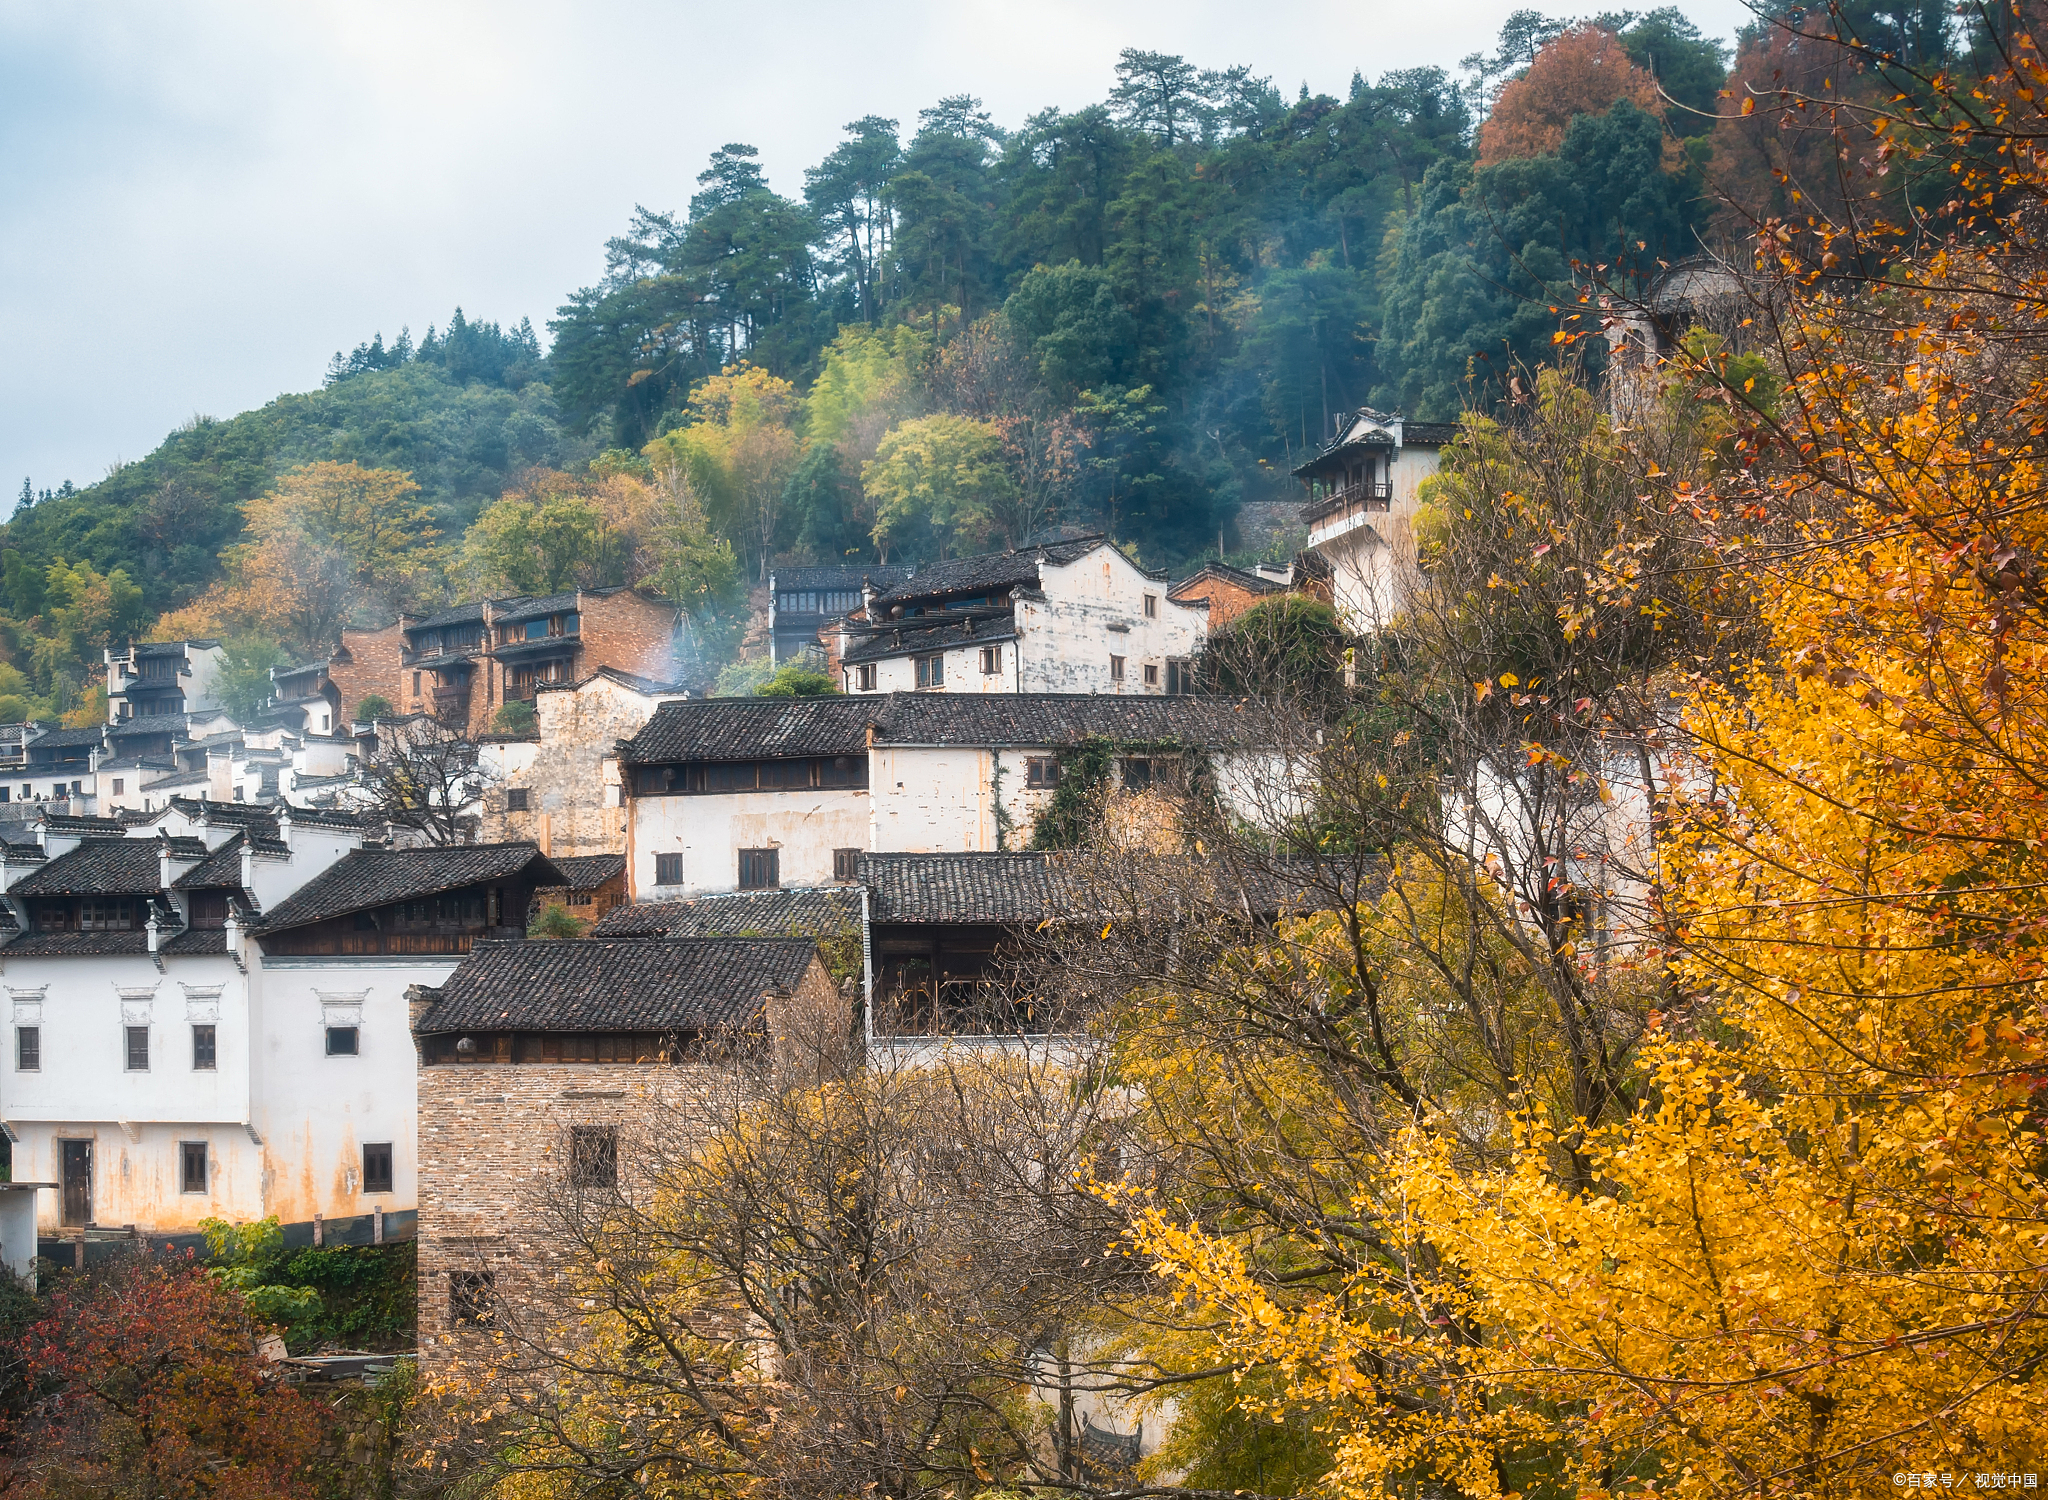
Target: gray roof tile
364 878
617 984
793 913
99 866
752 728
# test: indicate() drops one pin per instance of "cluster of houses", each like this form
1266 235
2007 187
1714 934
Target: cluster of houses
232 993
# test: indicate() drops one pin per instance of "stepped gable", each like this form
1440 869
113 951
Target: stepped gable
617 984
364 878
223 867
991 570
821 912
751 729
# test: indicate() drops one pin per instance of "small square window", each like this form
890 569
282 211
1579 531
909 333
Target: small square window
1151 606
202 1049
342 1041
594 1155
515 799
1151 674
138 1049
1116 669
864 679
931 671
668 869
28 1049
760 869
846 864
1041 771
377 1168
120 786
191 1166
471 1297
991 660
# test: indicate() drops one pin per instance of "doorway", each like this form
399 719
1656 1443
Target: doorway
77 1161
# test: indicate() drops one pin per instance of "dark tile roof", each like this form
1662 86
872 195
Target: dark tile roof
752 728
167 648
915 636
882 575
65 823
793 913
364 878
632 680
77 944
278 674
22 852
64 739
461 614
1222 571
197 940
586 872
532 607
181 846
1428 434
181 778
221 868
617 984
99 866
993 570
546 645
1062 719
444 659
973 888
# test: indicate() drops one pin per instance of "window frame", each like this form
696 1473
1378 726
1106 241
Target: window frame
846 864
1116 669
991 661
668 869
1150 674
1151 606
28 1049
205 1059
593 1154
354 1034
130 1034
372 1183
931 671
864 678
188 1152
756 861
516 799
1041 772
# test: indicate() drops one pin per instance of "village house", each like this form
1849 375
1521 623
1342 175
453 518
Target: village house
732 794
541 1067
559 785
1364 490
207 1009
156 679
463 664
1228 592
804 601
1068 617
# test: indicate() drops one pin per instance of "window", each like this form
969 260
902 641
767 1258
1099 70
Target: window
377 1168
668 869
1151 606
415 684
760 869
1180 677
78 788
138 1049
1041 770
1151 674
931 671
594 1155
209 909
864 679
471 1296
846 864
120 786
191 1166
991 660
343 1041
1116 669
28 1049
515 799
202 1049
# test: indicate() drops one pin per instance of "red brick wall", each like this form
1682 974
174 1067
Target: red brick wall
368 663
631 632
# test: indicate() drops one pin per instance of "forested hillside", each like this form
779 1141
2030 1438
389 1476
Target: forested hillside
1136 315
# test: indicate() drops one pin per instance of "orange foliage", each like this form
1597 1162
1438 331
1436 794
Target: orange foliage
1583 72
1786 154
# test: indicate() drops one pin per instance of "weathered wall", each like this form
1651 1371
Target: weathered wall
944 800
1369 552
1094 608
631 632
709 829
570 775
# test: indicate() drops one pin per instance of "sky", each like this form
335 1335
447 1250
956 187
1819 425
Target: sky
200 203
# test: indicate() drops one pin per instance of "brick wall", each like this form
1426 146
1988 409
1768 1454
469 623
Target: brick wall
572 787
367 663
629 631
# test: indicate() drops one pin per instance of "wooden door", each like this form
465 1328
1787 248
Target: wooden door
77 1182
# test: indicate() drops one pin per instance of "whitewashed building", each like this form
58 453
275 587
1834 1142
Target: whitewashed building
1068 617
207 1009
735 794
1364 490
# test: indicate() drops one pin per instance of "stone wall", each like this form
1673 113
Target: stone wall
572 778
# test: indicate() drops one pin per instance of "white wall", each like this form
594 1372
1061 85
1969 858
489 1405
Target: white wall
1067 639
943 800
708 830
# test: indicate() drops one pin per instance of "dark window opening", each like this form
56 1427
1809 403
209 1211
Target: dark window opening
28 1049
668 869
846 864
377 1168
1116 669
1180 677
209 909
712 778
1151 606
472 1296
202 1049
515 799
192 1166
594 1155
106 914
138 1049
991 660
1151 674
342 1041
864 678
760 869
1041 771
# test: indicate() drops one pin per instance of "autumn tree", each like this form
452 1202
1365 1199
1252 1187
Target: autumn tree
941 476
738 451
423 782
1584 71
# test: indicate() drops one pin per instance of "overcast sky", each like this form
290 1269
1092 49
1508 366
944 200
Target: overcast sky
200 203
